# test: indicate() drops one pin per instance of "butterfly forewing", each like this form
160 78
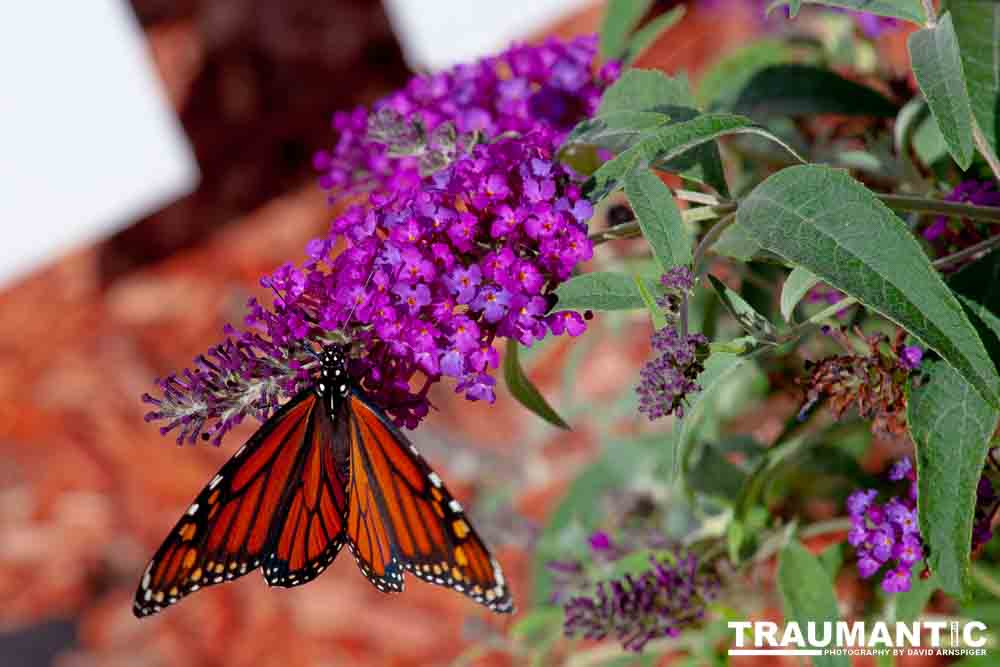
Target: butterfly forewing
228 529
426 528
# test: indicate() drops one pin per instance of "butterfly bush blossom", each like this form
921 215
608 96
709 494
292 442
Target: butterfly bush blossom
553 85
437 264
659 602
887 536
668 381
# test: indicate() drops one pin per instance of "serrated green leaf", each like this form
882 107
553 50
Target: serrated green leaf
599 290
951 426
647 35
807 593
752 322
796 286
659 218
909 10
937 65
798 90
645 90
661 145
822 219
617 130
620 19
652 90
977 27
522 389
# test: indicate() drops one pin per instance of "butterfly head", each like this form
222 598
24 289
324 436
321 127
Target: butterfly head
333 372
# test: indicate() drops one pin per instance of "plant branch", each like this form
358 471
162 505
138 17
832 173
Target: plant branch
631 230
947 208
971 251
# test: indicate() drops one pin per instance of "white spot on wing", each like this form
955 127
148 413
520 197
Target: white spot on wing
215 481
192 509
435 480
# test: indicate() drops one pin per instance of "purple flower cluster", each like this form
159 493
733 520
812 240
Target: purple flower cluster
658 603
551 86
470 226
949 235
887 534
667 381
426 281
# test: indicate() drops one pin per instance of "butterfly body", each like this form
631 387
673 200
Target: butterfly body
327 469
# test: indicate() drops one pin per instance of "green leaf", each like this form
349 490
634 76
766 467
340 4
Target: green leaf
937 64
645 90
909 10
977 26
652 90
659 218
598 291
647 35
524 391
661 145
832 559
800 90
951 426
824 220
615 130
655 312
752 322
721 84
807 593
620 19
797 285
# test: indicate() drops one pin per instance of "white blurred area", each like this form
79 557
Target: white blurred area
439 33
88 141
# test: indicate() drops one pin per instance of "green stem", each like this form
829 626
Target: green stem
986 580
947 208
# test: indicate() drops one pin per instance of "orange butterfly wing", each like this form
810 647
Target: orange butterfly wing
240 519
401 515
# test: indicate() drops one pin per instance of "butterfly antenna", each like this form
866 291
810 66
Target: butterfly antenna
274 289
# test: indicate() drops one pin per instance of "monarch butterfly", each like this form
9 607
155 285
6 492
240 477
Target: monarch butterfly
328 468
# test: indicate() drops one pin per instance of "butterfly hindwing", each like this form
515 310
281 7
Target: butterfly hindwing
424 527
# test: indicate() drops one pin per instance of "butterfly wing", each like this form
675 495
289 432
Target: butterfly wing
230 528
310 533
401 515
